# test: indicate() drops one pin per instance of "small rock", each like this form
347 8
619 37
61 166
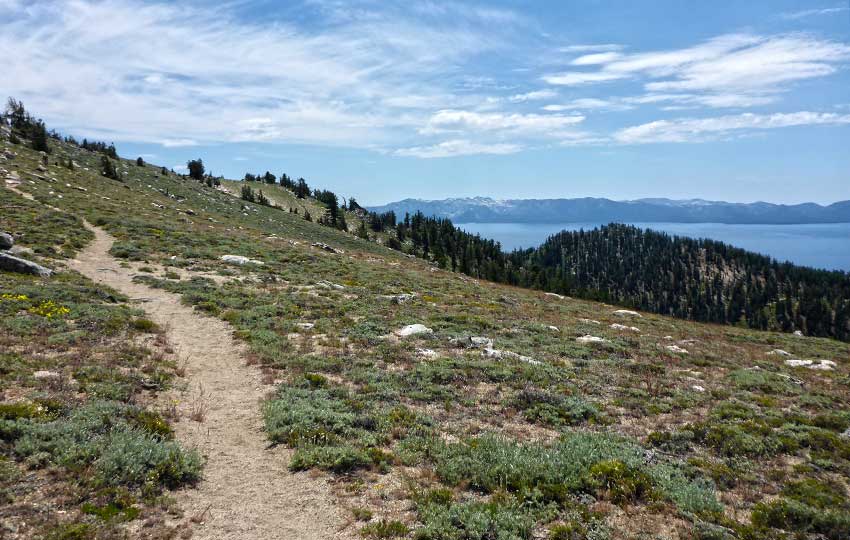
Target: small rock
6 240
779 352
553 328
554 295
325 284
413 329
322 245
305 325
426 353
474 342
798 333
590 321
676 349
846 434
44 375
239 259
627 313
590 339
698 388
616 326
398 298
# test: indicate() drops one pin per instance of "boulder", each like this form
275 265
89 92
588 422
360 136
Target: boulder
413 329
779 352
6 240
627 313
590 339
10 263
616 326
676 349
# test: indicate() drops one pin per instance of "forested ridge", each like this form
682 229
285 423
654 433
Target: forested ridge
696 279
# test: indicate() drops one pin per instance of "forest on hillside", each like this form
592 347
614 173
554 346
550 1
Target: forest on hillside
696 279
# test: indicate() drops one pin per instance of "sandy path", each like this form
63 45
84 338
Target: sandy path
247 491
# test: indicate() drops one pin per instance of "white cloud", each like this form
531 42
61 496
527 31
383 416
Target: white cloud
576 78
755 68
528 124
532 96
700 129
175 72
458 147
596 58
589 104
602 47
812 12
176 143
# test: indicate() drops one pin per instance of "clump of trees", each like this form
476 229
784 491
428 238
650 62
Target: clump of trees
25 126
108 169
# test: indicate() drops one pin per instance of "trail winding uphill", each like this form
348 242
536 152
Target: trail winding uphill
247 492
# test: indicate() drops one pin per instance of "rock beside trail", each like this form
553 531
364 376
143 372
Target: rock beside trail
10 263
6 240
413 329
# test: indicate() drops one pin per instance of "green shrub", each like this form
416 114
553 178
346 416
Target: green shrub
475 521
385 529
619 483
760 380
145 325
554 410
813 492
338 459
798 517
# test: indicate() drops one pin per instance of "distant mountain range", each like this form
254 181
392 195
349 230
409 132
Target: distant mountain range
487 210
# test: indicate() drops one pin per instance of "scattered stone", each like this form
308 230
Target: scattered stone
676 349
398 298
667 337
590 339
627 313
322 245
820 365
305 325
325 284
846 434
779 352
6 240
413 329
45 375
553 328
554 295
426 353
798 333
473 342
698 388
239 259
490 352
11 263
616 326
590 321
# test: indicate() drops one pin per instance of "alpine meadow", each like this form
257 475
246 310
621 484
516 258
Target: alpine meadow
192 351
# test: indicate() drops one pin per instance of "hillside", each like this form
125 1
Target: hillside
401 399
596 210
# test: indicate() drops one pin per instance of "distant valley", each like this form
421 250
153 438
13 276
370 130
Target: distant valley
487 210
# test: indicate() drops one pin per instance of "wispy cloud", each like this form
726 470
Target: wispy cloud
458 147
700 129
752 67
549 125
602 47
172 73
794 15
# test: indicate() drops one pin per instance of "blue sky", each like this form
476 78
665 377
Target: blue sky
385 100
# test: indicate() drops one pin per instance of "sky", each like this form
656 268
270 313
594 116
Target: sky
384 100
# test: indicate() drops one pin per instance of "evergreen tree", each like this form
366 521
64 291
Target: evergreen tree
196 169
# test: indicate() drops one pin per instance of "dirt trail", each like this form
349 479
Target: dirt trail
247 491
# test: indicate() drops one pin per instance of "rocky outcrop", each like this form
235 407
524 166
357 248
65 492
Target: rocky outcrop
6 240
10 263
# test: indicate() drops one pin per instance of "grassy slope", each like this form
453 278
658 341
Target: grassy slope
462 442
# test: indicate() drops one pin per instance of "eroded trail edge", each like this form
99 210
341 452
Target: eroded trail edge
247 492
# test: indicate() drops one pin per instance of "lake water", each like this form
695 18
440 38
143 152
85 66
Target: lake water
819 245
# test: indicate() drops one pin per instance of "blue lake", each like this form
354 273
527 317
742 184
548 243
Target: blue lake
819 245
